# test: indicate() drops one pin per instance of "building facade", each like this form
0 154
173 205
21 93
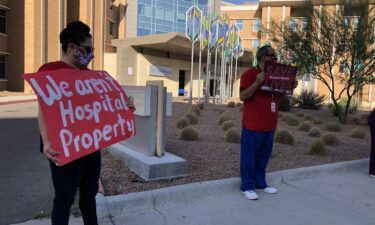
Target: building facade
254 20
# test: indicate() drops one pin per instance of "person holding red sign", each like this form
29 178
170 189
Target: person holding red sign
259 121
371 123
76 43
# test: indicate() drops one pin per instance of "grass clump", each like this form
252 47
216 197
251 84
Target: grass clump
291 120
333 127
201 106
195 109
305 126
229 124
330 139
300 114
284 137
231 104
182 122
317 148
317 121
189 134
314 132
357 133
308 117
223 118
193 118
232 135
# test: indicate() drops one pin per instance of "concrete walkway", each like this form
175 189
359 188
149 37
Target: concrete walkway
318 196
5 100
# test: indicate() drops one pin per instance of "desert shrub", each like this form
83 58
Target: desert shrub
314 132
285 103
308 117
193 119
317 148
341 105
357 133
182 122
333 127
201 106
238 104
233 135
195 109
231 104
284 137
224 118
291 120
317 121
300 114
305 126
229 124
189 134
308 100
225 112
330 139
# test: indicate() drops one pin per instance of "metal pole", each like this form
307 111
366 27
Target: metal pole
199 74
231 76
215 75
235 79
191 71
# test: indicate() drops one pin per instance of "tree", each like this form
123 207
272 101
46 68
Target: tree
340 37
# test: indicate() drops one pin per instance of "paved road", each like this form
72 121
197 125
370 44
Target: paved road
25 187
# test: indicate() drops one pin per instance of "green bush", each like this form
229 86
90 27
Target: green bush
341 105
330 139
308 100
228 124
189 134
333 127
224 118
305 126
193 119
314 132
231 104
285 103
284 137
232 135
182 122
300 114
317 148
357 133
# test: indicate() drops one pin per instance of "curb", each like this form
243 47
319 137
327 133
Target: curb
18 101
112 206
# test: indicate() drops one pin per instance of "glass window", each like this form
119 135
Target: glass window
111 28
181 17
255 44
2 66
257 25
159 13
143 32
293 24
168 15
239 24
304 24
3 21
355 23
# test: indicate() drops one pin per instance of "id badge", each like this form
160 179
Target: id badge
273 107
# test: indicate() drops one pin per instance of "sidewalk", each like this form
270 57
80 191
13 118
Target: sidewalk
17 99
335 194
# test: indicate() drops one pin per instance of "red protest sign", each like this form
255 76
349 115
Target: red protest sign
84 111
279 78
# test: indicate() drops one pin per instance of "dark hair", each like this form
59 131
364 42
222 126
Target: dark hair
75 32
261 52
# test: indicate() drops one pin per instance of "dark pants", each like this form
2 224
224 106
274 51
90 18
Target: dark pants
372 154
256 148
83 173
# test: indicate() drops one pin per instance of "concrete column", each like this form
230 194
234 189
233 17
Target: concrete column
268 21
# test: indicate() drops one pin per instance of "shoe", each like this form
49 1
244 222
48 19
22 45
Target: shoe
251 195
269 190
371 175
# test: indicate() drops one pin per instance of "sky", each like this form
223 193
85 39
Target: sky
239 1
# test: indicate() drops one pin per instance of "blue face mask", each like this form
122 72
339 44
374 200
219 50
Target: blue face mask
84 59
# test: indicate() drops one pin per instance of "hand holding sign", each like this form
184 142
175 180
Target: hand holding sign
279 78
84 111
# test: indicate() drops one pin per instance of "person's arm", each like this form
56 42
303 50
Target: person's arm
249 92
47 150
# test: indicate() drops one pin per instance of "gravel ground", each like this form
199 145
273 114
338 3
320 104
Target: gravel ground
212 158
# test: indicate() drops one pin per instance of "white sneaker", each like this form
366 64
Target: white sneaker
373 176
251 195
269 190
